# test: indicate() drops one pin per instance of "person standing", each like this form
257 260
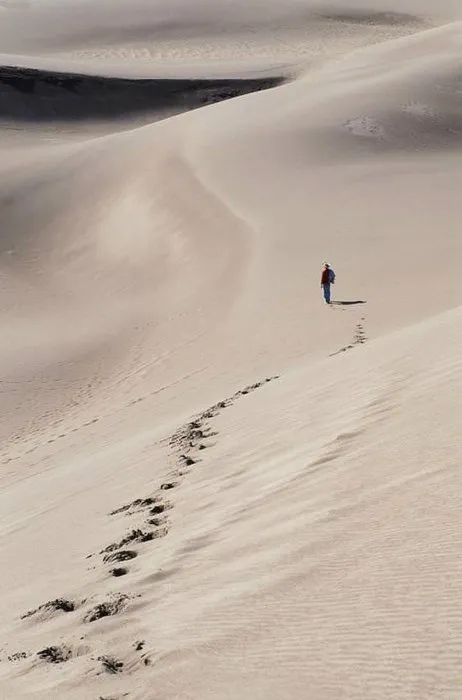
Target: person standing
327 278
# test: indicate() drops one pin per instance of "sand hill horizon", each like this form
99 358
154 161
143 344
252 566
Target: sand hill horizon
213 484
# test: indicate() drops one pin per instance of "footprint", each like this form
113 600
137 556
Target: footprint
18 656
133 536
55 655
110 607
188 461
157 522
161 532
123 555
157 510
359 338
138 504
110 664
59 604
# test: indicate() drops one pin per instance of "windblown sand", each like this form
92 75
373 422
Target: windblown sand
214 486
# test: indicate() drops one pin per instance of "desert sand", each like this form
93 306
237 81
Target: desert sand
213 485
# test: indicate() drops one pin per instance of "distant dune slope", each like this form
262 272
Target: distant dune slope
32 95
214 485
207 231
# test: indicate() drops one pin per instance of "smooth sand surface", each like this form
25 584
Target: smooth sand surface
213 485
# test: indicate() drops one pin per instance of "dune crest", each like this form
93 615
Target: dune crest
215 485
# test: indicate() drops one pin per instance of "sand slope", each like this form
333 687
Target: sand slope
213 485
303 548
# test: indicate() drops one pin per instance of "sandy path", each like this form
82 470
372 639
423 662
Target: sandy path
300 534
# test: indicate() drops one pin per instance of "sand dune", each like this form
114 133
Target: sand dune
213 485
38 95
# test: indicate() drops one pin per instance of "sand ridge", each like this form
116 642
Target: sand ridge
149 512
172 179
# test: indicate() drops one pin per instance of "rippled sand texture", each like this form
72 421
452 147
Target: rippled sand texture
213 485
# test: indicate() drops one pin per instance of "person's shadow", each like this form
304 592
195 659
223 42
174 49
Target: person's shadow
348 303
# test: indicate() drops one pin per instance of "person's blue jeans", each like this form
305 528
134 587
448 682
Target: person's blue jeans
326 292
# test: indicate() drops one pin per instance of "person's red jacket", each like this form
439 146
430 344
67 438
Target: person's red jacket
325 276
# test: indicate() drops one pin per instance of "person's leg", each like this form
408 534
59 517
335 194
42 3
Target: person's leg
326 290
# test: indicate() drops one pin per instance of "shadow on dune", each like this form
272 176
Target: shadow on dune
31 95
385 19
349 303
